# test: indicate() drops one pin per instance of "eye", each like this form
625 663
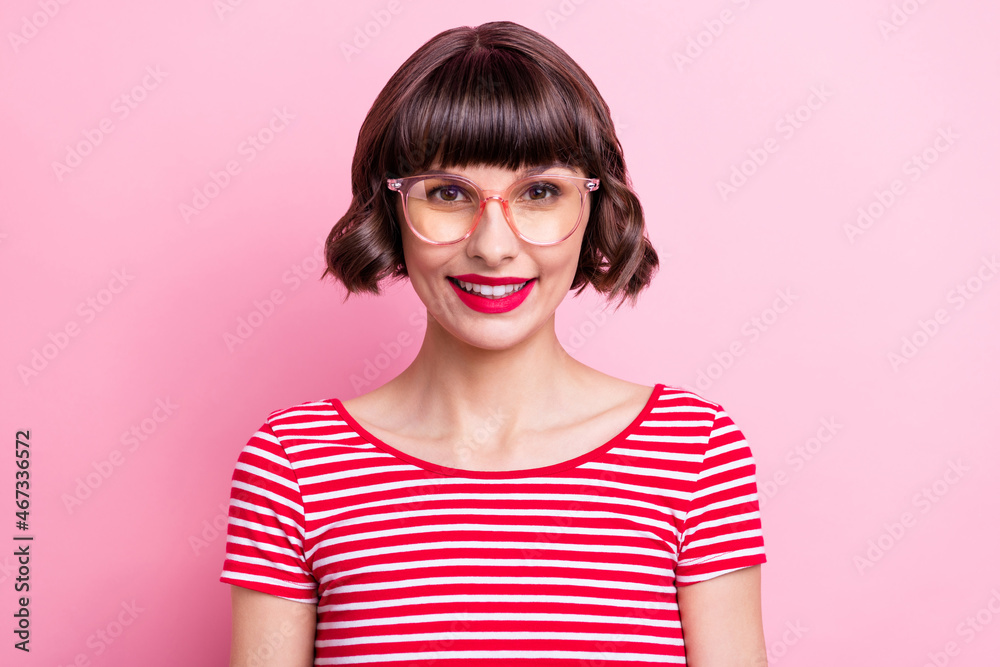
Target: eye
541 190
448 192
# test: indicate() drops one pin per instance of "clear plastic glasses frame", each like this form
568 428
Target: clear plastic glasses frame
585 186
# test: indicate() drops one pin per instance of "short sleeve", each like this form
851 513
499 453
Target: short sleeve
266 534
721 528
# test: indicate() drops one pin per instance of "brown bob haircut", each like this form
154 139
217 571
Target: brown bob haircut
502 95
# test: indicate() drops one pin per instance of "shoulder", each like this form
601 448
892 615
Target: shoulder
286 427
302 411
702 421
616 391
680 397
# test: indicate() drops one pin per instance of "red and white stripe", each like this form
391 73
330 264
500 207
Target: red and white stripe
411 563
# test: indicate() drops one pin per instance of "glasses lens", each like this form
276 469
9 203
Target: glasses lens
442 209
545 208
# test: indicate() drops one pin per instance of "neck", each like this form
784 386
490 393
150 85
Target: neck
460 388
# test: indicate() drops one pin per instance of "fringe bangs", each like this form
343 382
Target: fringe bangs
489 107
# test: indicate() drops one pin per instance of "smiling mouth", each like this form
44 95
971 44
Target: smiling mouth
489 291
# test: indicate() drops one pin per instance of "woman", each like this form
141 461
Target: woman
498 502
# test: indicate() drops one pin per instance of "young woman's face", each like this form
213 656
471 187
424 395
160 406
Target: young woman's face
492 251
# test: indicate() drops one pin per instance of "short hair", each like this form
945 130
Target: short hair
497 94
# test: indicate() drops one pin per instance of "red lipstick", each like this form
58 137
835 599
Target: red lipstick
486 280
484 304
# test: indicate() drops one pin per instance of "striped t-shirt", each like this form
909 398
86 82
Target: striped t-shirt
415 564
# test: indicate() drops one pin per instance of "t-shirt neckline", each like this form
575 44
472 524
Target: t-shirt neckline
501 474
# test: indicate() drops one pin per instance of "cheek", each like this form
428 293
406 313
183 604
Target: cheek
560 266
576 243
417 263
413 248
424 262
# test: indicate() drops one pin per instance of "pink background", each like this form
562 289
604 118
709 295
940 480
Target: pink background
877 472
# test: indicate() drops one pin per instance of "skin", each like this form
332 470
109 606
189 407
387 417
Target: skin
506 372
499 392
269 631
722 622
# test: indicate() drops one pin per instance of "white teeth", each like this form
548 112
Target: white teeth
491 291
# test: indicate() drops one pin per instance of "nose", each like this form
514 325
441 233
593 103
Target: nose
493 239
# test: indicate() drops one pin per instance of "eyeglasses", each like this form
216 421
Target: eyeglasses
542 209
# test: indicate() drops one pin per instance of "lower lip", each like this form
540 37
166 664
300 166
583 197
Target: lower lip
501 305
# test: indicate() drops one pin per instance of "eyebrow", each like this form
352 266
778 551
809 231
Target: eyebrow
537 169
